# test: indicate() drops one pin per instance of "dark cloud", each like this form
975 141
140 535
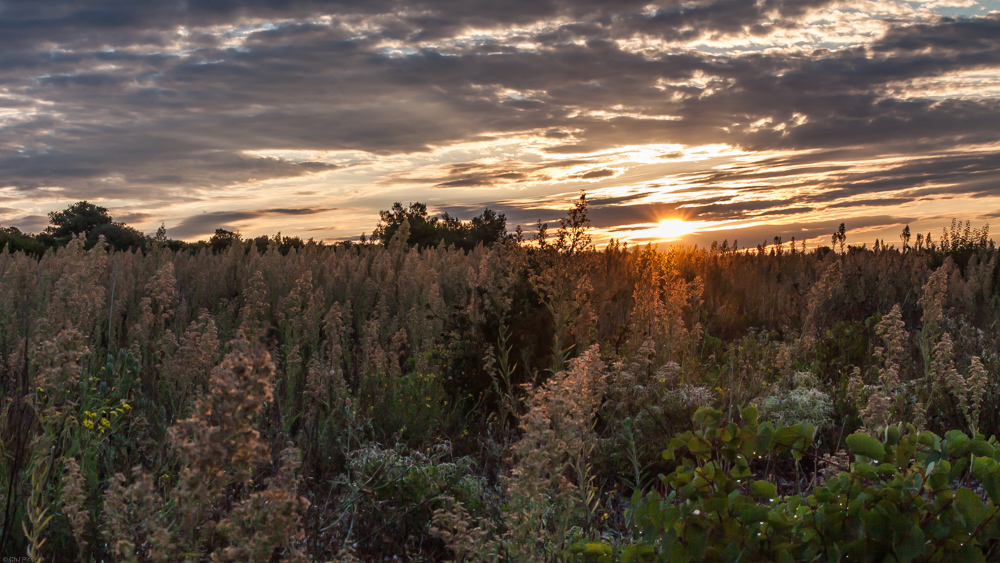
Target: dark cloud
595 174
30 223
297 211
132 217
206 223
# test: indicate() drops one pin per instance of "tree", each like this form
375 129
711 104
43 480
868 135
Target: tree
223 239
905 237
487 228
13 240
118 235
839 237
423 229
572 236
80 218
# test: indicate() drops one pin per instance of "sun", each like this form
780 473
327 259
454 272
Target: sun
669 229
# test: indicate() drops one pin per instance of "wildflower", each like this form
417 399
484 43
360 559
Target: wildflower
88 424
105 422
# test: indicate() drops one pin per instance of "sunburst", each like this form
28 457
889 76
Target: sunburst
671 229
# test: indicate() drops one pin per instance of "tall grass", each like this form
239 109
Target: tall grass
364 402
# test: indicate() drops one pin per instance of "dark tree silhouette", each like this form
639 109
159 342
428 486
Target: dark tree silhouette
487 228
80 218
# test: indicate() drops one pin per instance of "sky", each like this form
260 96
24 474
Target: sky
723 119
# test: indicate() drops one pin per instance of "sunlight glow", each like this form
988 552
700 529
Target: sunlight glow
670 229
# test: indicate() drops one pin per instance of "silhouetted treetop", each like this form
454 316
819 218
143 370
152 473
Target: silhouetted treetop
80 218
487 228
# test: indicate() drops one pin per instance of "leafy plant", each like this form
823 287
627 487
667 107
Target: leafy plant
909 496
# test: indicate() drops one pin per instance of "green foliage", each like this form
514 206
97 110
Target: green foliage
912 496
414 407
13 240
392 494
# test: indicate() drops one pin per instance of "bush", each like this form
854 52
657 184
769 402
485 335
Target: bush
909 496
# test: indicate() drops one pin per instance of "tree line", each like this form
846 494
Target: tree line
94 222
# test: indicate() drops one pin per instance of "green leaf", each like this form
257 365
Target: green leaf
764 434
970 554
707 416
970 506
754 514
911 546
981 447
788 435
594 549
764 490
892 435
957 442
928 438
749 415
865 470
862 444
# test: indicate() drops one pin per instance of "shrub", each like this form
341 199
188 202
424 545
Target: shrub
804 403
910 496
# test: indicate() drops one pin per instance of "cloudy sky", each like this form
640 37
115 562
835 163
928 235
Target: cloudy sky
744 118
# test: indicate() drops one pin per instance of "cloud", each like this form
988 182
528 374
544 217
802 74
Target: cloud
30 223
162 104
206 223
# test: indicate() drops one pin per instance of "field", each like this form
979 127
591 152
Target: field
540 401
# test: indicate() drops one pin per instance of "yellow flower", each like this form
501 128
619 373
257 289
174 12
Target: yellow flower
105 422
88 423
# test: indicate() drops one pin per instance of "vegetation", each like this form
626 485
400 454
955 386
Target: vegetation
424 399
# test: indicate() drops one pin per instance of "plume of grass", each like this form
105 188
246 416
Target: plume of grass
550 496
